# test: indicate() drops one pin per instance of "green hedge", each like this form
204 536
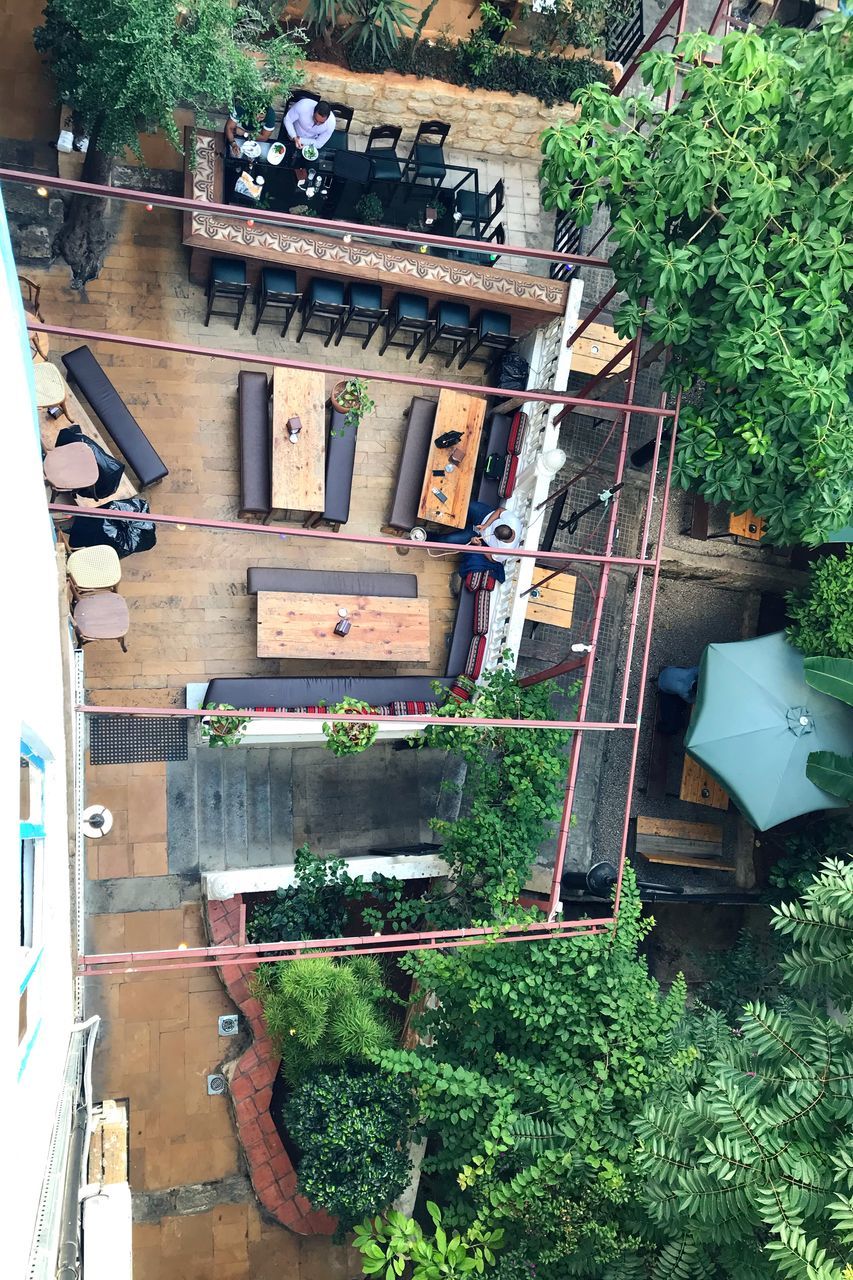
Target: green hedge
551 80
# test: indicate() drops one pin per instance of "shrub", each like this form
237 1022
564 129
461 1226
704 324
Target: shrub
352 1129
822 614
320 1013
807 849
314 906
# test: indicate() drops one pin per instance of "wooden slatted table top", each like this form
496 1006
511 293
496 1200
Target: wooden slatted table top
747 525
698 787
301 624
595 347
298 470
456 412
555 603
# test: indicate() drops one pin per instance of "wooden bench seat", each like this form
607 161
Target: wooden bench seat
681 844
253 392
413 459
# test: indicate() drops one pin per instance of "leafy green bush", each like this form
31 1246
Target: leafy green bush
822 614
352 1129
747 971
805 851
320 1013
314 906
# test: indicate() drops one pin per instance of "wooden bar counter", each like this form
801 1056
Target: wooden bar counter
530 300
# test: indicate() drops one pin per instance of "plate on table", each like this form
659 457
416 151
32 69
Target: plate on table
310 152
276 153
251 149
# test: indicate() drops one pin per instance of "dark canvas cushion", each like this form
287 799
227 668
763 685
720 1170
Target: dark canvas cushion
482 608
507 484
255 441
476 657
517 432
119 423
340 463
497 439
286 692
460 637
342 582
412 465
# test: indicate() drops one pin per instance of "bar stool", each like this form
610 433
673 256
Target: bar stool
451 322
493 336
324 302
50 386
365 307
70 467
277 290
426 157
93 569
382 149
102 615
480 210
227 280
409 314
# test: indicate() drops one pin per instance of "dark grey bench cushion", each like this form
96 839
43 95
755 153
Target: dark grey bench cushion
119 423
341 582
309 691
340 461
413 460
460 637
255 442
496 441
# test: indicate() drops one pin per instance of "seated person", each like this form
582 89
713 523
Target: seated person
485 529
243 124
309 121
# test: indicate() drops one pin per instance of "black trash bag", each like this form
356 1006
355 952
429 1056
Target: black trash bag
127 536
110 470
513 372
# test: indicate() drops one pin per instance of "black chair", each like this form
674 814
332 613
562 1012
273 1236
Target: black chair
339 141
496 236
324 303
352 166
451 322
277 291
382 149
227 280
409 315
426 158
365 308
492 336
296 96
480 209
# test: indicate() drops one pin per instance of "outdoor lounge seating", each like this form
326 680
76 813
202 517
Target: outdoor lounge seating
382 150
413 458
681 844
426 158
340 464
86 374
333 581
254 427
285 692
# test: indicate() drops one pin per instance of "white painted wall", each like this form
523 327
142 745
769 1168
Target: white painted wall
30 1072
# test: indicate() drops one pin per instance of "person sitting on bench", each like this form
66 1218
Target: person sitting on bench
486 528
676 691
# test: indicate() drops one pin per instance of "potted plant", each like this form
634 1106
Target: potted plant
351 398
347 739
223 731
369 210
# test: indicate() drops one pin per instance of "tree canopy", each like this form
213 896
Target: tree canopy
125 65
732 216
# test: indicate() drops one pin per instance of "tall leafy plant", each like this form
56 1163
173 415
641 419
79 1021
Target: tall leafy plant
378 25
732 217
822 614
827 769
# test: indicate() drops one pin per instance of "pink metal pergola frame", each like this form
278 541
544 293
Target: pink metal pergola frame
219 956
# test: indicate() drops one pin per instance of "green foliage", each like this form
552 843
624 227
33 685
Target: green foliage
747 970
345 738
822 614
222 731
826 769
125 65
537 1056
821 926
833 676
732 216
314 906
551 79
355 398
575 23
395 1242
513 792
805 849
378 25
320 1013
352 1130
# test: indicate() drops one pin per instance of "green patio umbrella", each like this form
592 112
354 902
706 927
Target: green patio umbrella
755 723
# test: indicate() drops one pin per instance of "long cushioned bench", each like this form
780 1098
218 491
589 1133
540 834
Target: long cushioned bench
413 459
340 464
253 395
333 581
284 692
88 377
497 438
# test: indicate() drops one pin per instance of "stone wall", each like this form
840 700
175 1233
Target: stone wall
481 121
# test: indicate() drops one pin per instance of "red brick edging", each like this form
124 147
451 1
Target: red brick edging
252 1075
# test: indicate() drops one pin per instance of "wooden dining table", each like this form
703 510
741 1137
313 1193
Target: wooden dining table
466 414
552 602
298 467
301 624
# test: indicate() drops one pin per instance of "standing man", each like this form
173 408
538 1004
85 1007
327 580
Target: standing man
242 125
309 121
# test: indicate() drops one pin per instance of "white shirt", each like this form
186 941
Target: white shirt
489 538
299 123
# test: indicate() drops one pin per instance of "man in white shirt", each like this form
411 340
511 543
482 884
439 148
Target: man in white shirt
309 121
501 528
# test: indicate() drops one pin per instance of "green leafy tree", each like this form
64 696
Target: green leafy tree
827 769
820 925
732 218
573 23
822 614
538 1055
352 1130
396 1243
320 1013
124 66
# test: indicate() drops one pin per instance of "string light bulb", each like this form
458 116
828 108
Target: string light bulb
250 222
149 208
42 191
